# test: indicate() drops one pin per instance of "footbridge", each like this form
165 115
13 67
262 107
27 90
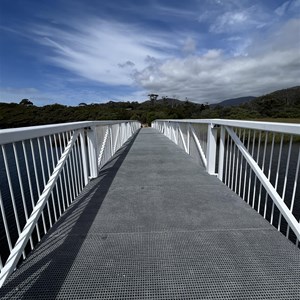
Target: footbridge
187 209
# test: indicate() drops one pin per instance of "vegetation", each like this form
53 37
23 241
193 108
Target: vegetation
280 104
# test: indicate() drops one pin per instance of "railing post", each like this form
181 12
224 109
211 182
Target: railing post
188 138
92 150
84 157
111 140
211 149
221 153
177 138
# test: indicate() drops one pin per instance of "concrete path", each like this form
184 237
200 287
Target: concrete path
155 225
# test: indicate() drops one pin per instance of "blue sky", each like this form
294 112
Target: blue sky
67 52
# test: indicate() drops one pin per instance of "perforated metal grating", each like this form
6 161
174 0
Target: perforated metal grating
145 229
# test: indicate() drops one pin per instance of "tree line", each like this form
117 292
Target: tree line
280 104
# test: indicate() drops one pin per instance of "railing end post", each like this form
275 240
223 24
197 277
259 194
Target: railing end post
211 149
92 151
221 153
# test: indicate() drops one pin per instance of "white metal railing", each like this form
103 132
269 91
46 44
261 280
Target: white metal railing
259 161
43 169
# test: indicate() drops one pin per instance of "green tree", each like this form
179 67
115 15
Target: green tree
26 102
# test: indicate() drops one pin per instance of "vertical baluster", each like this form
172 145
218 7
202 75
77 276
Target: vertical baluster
229 164
263 169
3 214
77 165
188 138
22 189
69 136
285 177
117 138
64 173
221 153
297 240
237 163
71 181
79 154
44 179
12 194
257 160
269 173
250 171
277 175
204 138
1 263
53 166
294 189
71 190
49 175
227 154
241 164
124 133
111 140
107 145
120 137
246 168
30 187
233 165
37 182
74 171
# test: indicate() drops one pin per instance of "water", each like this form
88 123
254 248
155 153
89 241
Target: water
254 193
59 191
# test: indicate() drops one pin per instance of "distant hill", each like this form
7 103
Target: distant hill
286 96
234 101
170 102
282 103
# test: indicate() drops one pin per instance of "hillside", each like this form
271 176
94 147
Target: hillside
234 101
279 104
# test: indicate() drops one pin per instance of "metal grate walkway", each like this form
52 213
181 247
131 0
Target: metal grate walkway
155 225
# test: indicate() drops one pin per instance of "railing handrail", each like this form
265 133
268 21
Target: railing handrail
12 135
238 161
65 157
289 128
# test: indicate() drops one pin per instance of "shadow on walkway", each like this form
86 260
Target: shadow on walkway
47 268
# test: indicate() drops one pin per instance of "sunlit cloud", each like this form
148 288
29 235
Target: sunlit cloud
214 76
101 51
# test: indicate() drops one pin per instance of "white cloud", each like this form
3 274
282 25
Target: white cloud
190 45
295 5
127 64
19 91
282 8
214 76
239 45
171 11
292 7
239 20
9 94
95 51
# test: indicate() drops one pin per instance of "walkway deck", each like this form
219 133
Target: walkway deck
154 225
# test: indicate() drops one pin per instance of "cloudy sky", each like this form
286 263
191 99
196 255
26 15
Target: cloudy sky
72 51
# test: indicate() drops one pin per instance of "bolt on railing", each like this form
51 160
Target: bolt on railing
259 161
43 169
